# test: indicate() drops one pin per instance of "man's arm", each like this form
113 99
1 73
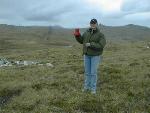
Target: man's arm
79 39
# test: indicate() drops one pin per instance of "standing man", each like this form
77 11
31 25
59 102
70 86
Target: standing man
93 44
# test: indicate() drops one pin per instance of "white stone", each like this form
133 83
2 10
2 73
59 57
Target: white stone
26 63
49 64
40 64
17 62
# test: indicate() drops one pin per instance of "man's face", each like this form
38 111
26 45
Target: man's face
93 25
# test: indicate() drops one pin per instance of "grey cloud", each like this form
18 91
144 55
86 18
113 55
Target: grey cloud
136 6
52 11
69 13
45 15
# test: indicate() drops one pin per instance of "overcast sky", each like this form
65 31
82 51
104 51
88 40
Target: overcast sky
74 13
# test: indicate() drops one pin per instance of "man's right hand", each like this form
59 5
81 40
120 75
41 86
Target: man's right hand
77 33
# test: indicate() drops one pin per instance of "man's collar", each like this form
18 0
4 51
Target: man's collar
92 29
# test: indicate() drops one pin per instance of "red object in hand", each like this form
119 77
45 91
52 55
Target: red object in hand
77 32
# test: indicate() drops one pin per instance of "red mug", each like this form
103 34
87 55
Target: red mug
77 30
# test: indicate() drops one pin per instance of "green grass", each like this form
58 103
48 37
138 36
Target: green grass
123 85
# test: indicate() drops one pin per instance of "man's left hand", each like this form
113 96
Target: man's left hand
87 44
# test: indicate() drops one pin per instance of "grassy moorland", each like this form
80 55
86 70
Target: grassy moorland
123 85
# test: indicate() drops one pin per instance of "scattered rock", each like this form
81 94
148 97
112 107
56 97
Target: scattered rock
6 63
26 63
40 64
49 64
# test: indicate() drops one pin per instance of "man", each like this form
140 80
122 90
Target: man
93 44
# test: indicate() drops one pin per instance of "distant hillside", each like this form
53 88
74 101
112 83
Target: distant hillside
34 31
128 32
20 37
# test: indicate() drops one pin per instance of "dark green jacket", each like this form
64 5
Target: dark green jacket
96 40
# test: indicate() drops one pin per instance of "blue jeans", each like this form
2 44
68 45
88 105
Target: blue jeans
91 64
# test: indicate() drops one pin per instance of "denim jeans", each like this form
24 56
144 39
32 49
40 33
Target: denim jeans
91 64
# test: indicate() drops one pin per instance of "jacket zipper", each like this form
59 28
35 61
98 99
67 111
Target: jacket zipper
88 42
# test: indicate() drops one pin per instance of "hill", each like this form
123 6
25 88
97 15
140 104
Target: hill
114 32
123 81
128 32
